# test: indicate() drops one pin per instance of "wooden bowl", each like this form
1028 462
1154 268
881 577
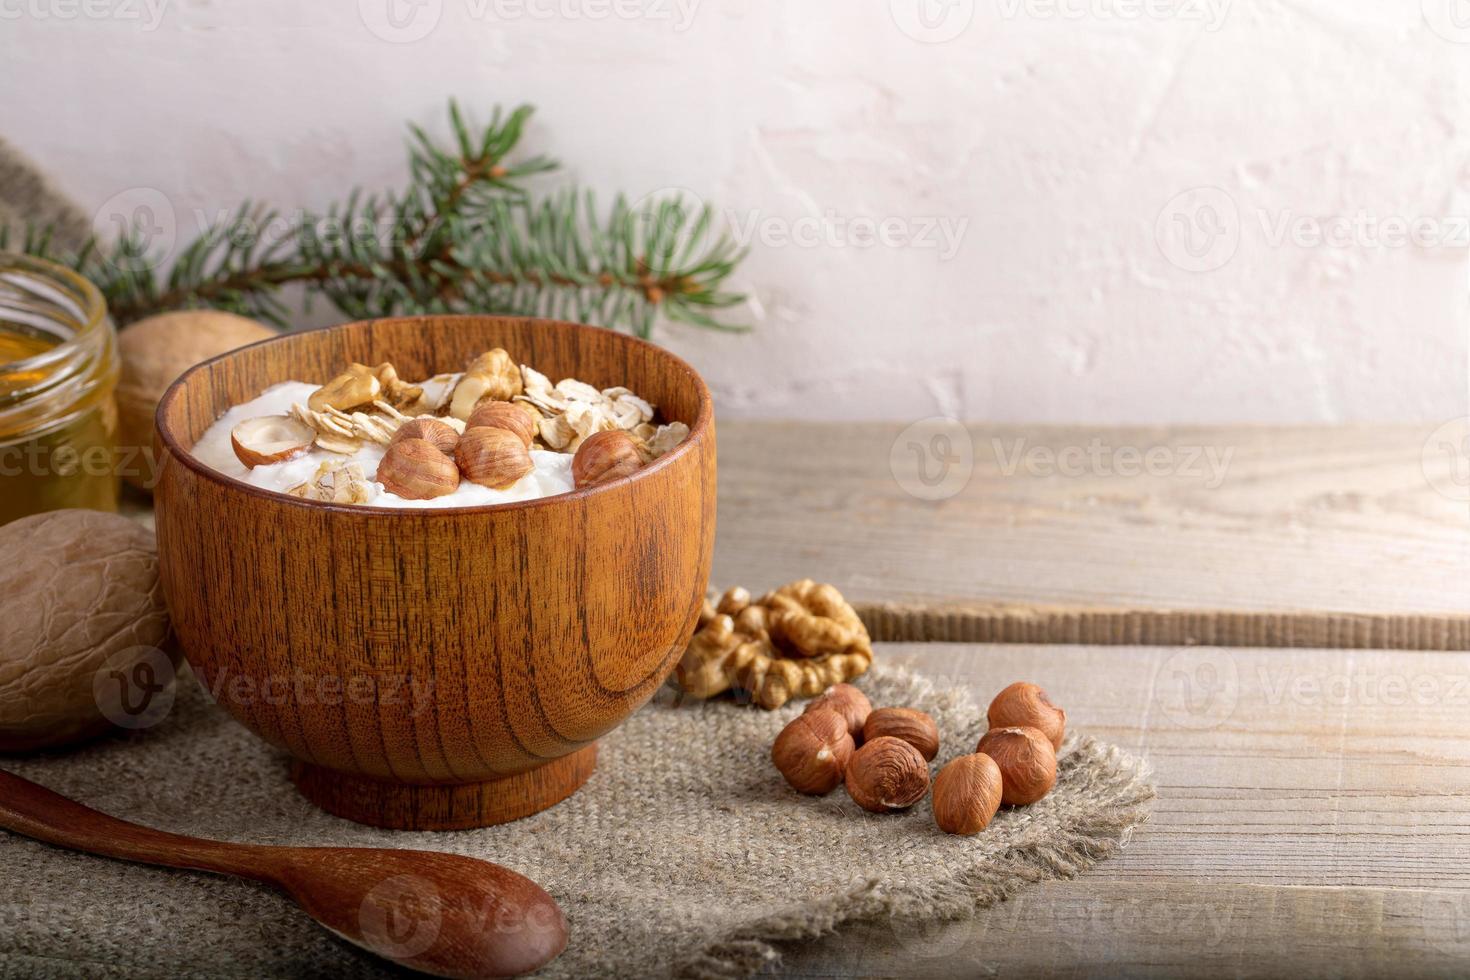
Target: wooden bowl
448 668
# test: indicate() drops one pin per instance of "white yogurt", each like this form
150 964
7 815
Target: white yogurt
552 473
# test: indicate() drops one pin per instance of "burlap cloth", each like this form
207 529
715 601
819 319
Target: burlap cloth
685 853
29 198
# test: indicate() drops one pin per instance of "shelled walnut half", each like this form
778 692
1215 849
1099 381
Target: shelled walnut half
493 376
395 391
796 641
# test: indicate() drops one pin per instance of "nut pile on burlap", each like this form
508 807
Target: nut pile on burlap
685 854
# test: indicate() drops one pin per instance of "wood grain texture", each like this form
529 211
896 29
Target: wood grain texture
456 807
945 622
444 914
447 648
1298 537
1074 931
1311 821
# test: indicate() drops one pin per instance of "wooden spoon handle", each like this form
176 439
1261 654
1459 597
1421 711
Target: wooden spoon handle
351 891
36 811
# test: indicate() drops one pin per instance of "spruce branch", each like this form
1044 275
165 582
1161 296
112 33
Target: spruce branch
465 235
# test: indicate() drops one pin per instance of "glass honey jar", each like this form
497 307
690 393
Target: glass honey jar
58 372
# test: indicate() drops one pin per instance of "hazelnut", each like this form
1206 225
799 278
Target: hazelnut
1024 705
1028 763
356 386
270 439
813 751
503 415
887 774
605 456
415 470
914 727
853 705
966 794
493 458
437 432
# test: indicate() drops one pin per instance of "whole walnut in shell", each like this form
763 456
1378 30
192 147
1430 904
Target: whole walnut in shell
79 590
153 353
707 668
812 619
796 641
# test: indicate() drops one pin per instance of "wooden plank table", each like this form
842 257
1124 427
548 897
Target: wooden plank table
1314 802
1313 819
1290 537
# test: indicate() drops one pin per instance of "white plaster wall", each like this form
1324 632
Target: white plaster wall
1052 138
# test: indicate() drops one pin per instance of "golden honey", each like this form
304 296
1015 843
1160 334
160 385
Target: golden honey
58 371
20 347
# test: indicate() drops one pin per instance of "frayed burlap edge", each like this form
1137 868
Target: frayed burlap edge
1064 852
29 199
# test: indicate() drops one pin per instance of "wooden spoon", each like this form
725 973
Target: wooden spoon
443 914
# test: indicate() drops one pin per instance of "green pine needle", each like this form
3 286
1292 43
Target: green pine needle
464 236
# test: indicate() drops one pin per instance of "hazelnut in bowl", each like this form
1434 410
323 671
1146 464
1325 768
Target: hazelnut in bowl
436 668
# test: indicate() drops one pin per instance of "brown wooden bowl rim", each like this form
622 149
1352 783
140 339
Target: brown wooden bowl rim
186 457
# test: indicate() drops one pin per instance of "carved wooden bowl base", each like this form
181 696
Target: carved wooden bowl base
402 806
